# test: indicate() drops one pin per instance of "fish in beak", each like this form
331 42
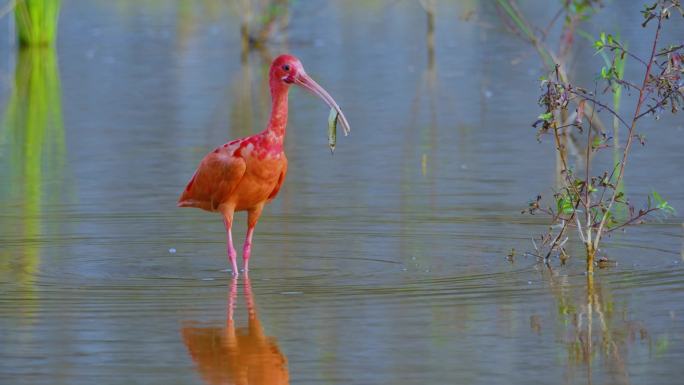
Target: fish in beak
303 80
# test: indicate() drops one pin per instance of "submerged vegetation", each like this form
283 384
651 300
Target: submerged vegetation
37 21
595 203
591 327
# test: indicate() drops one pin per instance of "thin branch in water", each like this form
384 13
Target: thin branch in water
642 214
630 137
659 104
670 50
602 105
620 47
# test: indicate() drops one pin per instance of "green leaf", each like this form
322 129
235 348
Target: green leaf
660 203
657 196
565 205
546 117
662 344
604 72
610 220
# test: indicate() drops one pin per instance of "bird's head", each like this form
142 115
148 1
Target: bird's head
287 70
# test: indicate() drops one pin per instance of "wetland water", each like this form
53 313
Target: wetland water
385 263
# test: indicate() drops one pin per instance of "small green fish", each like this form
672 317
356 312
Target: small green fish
332 130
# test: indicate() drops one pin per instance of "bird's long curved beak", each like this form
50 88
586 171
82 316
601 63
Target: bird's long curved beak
303 80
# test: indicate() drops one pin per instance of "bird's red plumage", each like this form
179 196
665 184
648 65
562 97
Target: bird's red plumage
237 176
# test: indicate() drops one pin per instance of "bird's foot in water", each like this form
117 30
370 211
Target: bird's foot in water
232 272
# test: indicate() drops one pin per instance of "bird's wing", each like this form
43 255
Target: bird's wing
215 179
281 179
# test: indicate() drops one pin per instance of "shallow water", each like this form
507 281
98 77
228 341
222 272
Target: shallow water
385 263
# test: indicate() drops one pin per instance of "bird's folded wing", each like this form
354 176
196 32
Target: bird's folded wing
279 184
216 178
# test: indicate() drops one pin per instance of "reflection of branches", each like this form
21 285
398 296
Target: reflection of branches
516 21
248 98
610 347
594 304
259 21
427 85
428 82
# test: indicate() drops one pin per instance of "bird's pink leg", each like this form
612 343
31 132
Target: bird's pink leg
252 218
230 250
247 249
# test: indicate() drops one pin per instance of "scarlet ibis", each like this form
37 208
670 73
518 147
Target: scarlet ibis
247 173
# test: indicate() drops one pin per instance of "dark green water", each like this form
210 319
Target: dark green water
382 264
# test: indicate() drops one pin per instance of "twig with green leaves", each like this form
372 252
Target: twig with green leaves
588 202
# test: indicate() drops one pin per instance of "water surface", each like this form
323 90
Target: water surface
385 263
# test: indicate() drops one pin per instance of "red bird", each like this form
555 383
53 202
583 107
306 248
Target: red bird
247 173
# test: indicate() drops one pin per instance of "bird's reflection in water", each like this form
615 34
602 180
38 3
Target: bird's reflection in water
236 355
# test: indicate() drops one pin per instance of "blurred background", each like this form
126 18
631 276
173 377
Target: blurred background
385 263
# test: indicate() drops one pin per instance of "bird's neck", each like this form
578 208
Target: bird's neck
278 122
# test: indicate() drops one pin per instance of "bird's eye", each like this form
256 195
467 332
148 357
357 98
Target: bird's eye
286 67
